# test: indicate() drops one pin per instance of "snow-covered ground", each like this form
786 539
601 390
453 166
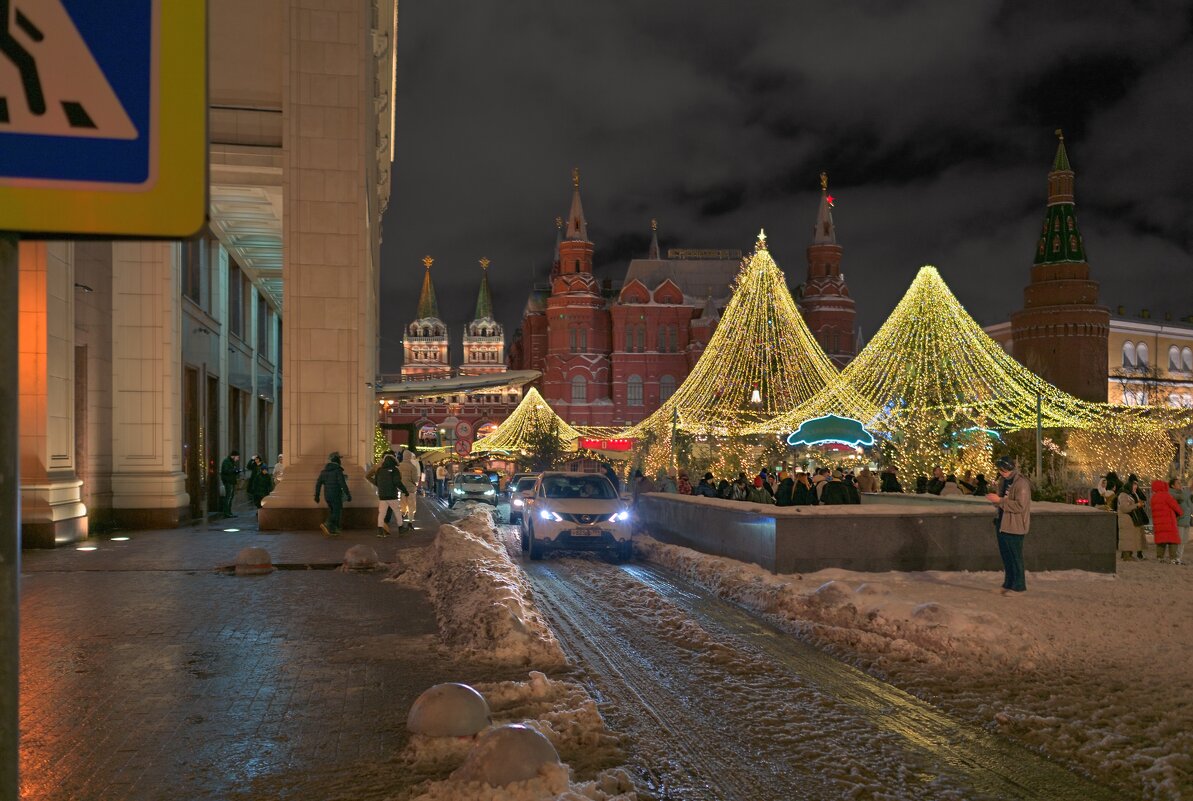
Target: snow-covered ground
1091 669
486 614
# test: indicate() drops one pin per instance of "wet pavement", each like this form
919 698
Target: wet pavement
148 674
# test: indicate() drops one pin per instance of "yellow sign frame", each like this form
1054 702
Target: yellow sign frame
174 203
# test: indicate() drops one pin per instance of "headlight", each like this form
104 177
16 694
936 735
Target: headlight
547 514
519 502
458 490
619 517
490 492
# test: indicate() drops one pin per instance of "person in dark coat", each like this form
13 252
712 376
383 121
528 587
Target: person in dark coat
921 485
980 486
835 491
936 483
389 490
803 494
705 487
786 493
229 473
334 485
259 483
890 481
642 484
724 489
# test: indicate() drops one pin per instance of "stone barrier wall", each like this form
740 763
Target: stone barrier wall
885 532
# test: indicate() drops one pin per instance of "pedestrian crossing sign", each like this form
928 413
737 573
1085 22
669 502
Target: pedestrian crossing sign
103 117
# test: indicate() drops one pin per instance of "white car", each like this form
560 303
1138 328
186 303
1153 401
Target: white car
576 512
521 489
472 487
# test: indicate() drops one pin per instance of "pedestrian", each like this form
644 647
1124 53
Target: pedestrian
277 469
1130 523
440 480
705 488
867 481
818 482
642 484
921 484
936 483
890 481
834 491
259 483
385 477
980 485
1184 496
684 485
756 493
664 482
966 483
785 494
1165 513
950 487
409 472
229 473
725 489
334 486
1013 501
1141 509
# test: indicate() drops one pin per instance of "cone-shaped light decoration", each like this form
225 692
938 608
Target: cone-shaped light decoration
512 435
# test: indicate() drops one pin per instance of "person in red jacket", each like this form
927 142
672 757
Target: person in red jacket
1165 511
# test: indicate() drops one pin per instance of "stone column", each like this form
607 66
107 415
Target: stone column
329 272
148 484
52 511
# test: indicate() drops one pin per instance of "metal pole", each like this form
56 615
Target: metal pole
10 521
1039 441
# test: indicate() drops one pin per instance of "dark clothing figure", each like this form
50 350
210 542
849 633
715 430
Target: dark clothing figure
389 483
804 494
229 473
259 483
786 494
980 487
334 485
643 484
921 485
835 492
890 483
705 487
724 489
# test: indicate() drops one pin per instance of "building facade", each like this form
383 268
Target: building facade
611 355
143 364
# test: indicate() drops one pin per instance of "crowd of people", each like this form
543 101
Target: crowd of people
782 487
1169 511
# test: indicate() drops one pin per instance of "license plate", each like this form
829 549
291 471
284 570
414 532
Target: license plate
586 532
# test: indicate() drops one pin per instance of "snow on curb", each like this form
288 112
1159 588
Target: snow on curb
565 714
480 596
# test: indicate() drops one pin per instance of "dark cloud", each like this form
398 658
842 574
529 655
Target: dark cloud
933 119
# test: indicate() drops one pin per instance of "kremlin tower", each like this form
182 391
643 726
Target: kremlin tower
824 298
484 338
425 343
1062 333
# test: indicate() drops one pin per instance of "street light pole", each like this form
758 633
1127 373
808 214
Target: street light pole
1039 440
10 519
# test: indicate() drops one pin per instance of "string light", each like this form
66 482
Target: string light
533 413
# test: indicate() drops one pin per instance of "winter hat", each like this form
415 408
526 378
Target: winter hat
709 477
334 456
1005 463
838 474
758 481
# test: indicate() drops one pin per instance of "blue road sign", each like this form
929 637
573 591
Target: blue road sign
103 116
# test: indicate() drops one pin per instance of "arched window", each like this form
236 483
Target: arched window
641 339
1128 354
628 346
579 389
1141 355
666 387
634 390
1187 360
1174 358
662 345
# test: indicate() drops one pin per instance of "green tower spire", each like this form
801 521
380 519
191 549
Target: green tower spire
1060 241
427 305
484 300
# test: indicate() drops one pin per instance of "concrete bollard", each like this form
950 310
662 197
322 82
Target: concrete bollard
360 557
253 562
507 754
449 710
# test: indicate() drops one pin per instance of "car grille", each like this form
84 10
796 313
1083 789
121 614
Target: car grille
584 520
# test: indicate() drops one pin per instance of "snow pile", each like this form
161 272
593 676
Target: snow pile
1089 668
481 599
565 714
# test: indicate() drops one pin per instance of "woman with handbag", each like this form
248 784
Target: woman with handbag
1130 523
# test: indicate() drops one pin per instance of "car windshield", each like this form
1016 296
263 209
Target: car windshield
596 487
474 479
525 484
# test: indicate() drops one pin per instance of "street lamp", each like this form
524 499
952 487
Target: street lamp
439 440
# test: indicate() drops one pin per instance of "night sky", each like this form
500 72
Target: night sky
934 121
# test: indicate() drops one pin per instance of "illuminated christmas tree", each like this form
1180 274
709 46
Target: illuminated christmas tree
760 361
519 431
941 391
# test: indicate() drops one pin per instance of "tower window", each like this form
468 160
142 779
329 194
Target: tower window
577 265
634 390
584 340
572 340
1187 360
662 339
628 346
673 338
641 339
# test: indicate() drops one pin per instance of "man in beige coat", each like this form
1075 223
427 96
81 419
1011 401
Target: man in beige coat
1013 502
409 473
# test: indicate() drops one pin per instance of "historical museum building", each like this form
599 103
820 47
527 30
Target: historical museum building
610 355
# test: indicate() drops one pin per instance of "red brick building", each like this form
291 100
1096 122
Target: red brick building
610 356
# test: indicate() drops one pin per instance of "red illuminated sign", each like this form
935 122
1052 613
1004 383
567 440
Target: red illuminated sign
606 444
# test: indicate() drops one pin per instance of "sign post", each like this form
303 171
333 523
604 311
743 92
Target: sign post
103 133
